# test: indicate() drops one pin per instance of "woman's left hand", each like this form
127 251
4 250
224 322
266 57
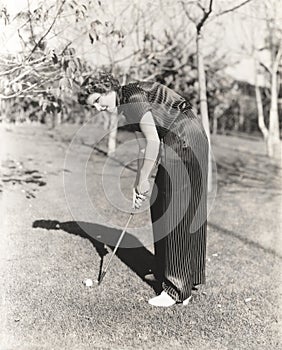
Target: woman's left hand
140 193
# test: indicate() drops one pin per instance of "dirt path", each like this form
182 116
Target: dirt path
45 254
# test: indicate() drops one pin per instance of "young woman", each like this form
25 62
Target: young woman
164 124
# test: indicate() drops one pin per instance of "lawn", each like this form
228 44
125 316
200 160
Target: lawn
50 245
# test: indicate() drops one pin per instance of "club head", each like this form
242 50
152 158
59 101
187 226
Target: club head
101 278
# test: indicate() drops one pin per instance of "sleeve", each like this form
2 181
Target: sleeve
137 106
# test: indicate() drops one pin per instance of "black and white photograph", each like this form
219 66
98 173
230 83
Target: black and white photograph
140 174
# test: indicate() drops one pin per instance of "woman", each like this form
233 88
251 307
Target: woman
179 196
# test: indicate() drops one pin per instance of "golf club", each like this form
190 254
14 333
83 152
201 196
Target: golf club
101 277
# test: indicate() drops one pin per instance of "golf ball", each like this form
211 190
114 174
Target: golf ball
88 282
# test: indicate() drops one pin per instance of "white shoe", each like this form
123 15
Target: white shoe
163 300
187 301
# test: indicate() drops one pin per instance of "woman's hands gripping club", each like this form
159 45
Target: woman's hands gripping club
140 194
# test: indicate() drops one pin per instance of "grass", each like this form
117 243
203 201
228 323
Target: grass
46 306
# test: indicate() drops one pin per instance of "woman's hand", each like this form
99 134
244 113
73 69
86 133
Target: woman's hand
143 186
140 193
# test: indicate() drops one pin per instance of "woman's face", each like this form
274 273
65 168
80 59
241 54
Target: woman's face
102 102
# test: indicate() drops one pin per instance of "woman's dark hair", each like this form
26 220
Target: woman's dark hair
101 82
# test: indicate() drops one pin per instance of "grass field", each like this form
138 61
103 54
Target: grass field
45 254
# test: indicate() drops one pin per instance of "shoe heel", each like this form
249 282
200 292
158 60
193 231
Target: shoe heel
187 301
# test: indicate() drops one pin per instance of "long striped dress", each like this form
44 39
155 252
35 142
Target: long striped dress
178 202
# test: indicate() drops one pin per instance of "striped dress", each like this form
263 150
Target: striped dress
178 202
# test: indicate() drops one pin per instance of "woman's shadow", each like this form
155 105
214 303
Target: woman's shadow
140 260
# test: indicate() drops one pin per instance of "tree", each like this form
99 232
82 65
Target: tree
265 50
200 14
275 47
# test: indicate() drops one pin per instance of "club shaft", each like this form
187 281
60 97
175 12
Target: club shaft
116 247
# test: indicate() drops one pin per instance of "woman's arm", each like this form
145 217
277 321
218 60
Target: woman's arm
142 146
150 134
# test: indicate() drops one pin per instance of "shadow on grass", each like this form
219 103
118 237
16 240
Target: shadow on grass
140 260
244 240
249 173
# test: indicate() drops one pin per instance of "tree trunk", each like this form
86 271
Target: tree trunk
241 120
214 126
53 120
59 118
236 123
223 125
273 137
261 122
3 110
113 133
203 102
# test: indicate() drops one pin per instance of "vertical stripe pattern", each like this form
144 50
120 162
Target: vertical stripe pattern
179 197
181 187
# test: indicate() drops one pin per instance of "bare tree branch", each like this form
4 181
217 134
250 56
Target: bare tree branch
30 23
277 58
187 13
201 6
206 14
233 8
6 72
19 77
48 30
126 57
205 17
20 66
31 87
6 97
265 67
8 62
20 36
